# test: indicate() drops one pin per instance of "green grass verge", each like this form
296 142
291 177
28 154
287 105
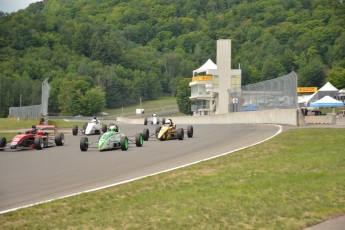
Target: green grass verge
14 124
291 181
8 136
154 106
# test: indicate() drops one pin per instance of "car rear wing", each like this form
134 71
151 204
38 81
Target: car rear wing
47 127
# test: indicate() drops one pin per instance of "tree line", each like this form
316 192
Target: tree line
110 53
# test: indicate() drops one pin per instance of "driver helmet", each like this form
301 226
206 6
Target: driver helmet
33 129
167 122
112 128
154 115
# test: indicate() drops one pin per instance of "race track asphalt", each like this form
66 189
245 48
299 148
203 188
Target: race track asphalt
29 177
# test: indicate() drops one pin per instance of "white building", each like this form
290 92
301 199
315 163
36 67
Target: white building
210 83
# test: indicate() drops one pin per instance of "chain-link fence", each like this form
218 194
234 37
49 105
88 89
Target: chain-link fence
278 93
33 111
25 112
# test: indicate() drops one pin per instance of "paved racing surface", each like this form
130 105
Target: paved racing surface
28 177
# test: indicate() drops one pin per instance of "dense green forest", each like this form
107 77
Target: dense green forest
113 52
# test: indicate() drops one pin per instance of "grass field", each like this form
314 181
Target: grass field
161 105
291 181
14 124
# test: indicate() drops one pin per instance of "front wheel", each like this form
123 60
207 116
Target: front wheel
59 139
38 142
124 143
139 140
84 144
145 121
75 130
190 131
180 134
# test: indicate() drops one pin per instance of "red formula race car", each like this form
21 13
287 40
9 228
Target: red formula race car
38 137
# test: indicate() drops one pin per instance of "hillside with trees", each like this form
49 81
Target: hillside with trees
113 52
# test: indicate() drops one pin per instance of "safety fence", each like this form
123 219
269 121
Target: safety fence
34 111
278 93
25 112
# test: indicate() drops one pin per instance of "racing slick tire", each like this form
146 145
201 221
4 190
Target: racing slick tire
84 127
104 128
124 143
163 120
146 134
84 144
180 134
139 140
145 121
190 131
75 130
38 143
59 139
3 143
158 128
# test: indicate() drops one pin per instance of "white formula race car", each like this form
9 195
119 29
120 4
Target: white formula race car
90 128
154 120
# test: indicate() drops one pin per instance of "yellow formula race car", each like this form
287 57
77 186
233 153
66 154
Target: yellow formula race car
168 131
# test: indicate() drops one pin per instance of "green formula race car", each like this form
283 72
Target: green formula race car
112 139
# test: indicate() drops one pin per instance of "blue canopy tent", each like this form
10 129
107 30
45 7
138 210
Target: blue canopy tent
327 101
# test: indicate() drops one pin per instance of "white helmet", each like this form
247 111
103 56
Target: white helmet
167 122
154 115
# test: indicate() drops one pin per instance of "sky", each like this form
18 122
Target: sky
10 6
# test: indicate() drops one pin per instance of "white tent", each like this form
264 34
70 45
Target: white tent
328 87
327 101
327 90
206 67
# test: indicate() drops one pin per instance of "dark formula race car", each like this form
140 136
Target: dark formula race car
38 137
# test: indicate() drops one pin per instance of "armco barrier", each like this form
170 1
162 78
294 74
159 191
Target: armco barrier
276 116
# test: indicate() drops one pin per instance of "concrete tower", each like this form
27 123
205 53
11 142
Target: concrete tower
211 83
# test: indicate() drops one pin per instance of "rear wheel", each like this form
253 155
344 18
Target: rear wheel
84 127
145 121
104 128
84 144
124 143
163 120
3 142
146 134
59 139
139 140
190 131
75 130
158 128
180 134
38 142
